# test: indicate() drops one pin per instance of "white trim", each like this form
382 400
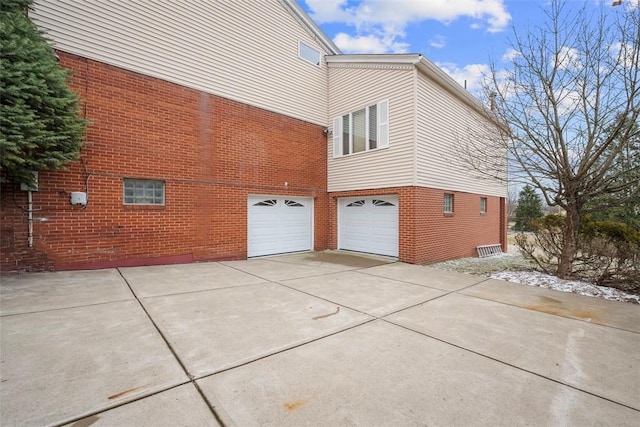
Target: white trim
383 124
382 129
410 58
318 62
386 244
312 26
337 136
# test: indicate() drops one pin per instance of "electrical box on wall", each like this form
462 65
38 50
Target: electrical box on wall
78 198
32 187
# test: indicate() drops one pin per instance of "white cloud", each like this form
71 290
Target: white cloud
510 55
368 44
438 42
329 10
567 58
624 54
568 101
473 74
387 19
477 76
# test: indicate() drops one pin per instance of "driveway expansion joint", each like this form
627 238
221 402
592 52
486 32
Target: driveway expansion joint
172 350
511 365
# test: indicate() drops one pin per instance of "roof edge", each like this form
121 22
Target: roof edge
315 29
384 58
421 63
446 81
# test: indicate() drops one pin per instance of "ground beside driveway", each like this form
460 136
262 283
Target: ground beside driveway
310 339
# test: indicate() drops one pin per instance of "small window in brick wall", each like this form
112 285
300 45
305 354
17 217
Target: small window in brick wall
448 203
483 205
143 192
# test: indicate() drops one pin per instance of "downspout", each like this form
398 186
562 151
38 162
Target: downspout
30 217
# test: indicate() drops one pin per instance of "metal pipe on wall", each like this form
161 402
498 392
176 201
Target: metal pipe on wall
30 217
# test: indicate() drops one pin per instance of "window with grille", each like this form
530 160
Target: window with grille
448 203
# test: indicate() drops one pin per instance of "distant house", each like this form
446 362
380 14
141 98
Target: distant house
227 130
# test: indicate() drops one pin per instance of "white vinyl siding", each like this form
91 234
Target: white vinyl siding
240 50
354 88
443 123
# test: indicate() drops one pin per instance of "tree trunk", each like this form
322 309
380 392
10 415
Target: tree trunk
570 246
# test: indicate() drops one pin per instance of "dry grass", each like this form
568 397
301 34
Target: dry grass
488 265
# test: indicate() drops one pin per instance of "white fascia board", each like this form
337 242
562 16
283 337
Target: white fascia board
402 58
328 44
446 81
438 75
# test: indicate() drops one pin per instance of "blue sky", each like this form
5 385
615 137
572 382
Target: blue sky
461 36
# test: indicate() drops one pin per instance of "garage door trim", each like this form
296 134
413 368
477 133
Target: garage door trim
276 223
365 227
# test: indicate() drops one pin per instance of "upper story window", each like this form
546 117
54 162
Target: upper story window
309 53
362 130
143 192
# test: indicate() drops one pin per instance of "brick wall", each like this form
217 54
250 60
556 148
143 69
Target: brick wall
426 233
211 152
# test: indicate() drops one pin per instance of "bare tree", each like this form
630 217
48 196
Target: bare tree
512 203
568 104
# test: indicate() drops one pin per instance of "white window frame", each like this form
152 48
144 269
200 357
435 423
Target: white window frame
483 205
148 201
306 47
448 207
382 129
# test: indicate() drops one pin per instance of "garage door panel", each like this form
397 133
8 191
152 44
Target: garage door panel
369 224
278 225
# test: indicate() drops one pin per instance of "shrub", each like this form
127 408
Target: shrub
609 252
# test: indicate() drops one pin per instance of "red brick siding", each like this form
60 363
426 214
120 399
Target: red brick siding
426 233
211 152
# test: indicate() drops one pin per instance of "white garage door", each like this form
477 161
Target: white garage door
369 224
279 224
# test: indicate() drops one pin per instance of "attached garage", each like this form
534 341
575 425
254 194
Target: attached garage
368 224
279 224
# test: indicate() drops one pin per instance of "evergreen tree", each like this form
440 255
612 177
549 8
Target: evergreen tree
529 208
625 170
40 126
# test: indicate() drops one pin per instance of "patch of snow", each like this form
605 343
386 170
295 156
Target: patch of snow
536 278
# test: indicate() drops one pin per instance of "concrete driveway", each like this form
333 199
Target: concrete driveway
317 339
